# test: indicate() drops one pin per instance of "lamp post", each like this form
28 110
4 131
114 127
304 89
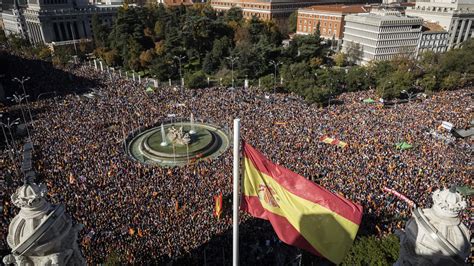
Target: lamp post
12 158
18 99
232 60
181 57
22 82
9 125
409 94
275 64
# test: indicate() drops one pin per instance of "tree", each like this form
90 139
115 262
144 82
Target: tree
428 82
234 14
340 59
43 52
111 57
267 82
357 79
370 250
452 81
317 33
146 57
196 80
98 31
354 52
293 21
393 85
318 95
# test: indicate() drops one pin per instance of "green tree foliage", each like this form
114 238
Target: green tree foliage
266 82
61 55
370 250
293 21
234 14
354 52
340 59
196 80
393 85
358 78
99 31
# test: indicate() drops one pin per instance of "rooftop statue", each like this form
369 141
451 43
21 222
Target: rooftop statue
41 234
436 236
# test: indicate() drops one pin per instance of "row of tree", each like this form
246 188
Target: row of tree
197 42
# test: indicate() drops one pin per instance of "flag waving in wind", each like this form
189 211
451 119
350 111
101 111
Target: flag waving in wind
302 213
218 207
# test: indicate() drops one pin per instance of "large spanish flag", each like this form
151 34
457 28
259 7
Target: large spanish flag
302 213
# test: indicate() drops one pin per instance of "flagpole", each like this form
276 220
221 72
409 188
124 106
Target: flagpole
235 220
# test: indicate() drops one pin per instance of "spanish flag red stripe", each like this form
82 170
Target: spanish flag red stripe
302 213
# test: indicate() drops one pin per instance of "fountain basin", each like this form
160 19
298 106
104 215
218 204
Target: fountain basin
208 142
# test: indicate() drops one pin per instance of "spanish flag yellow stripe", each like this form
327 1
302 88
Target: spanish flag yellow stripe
328 232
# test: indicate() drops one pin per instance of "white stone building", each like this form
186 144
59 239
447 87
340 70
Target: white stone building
455 16
433 38
47 21
381 34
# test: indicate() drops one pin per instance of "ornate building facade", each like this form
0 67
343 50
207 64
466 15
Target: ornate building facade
455 16
47 21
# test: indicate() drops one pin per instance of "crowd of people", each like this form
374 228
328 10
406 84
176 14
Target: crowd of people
143 213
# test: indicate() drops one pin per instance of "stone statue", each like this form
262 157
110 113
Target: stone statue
436 236
177 136
41 234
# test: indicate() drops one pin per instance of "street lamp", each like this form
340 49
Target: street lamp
18 99
181 57
232 60
409 94
9 125
275 64
22 82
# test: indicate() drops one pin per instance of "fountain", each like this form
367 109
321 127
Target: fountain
178 142
192 131
163 137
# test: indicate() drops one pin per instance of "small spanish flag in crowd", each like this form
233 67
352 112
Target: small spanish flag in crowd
302 213
131 231
218 208
333 141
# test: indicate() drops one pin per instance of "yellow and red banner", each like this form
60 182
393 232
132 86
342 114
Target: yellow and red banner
333 141
218 207
302 213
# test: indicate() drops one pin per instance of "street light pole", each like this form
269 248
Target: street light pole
181 57
22 82
9 126
232 61
18 99
275 64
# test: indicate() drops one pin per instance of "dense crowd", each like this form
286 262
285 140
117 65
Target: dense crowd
142 213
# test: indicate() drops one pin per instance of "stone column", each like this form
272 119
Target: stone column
453 34
461 31
468 29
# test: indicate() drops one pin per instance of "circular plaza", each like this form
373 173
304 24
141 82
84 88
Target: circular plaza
177 143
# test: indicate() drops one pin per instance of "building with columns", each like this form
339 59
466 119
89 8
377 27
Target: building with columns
433 38
48 21
455 16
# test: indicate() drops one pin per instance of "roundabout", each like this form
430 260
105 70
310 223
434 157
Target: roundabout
177 143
